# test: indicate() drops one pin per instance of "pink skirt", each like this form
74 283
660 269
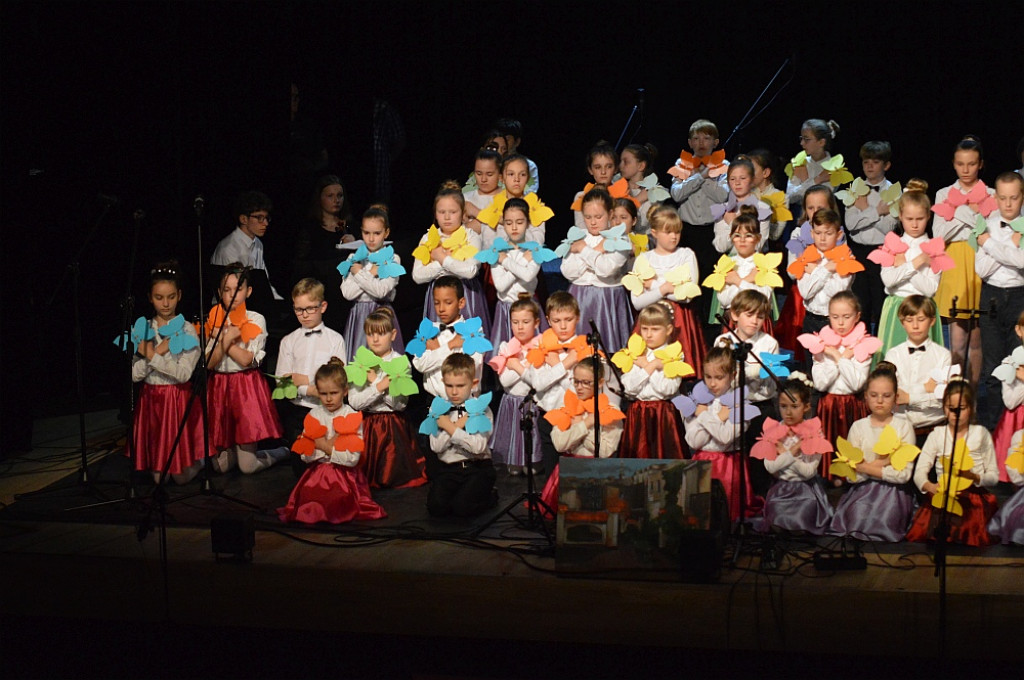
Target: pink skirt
241 411
1009 422
330 493
157 416
725 467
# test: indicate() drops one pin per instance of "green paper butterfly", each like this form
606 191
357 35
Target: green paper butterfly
398 371
285 388
359 368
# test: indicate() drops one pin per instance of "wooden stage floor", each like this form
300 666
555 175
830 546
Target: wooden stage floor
497 594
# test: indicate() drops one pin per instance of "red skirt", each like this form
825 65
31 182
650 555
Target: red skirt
392 457
838 412
549 496
653 429
1009 422
240 410
689 333
971 528
330 493
157 416
725 467
791 322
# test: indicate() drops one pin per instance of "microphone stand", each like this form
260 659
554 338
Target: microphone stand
74 270
639 106
595 340
744 120
941 533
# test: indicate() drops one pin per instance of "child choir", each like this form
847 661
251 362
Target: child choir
677 284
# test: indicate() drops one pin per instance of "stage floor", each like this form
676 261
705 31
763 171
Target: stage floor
410 577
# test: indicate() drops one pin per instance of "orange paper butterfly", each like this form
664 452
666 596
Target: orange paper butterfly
688 163
619 189
846 263
561 418
237 317
799 265
347 430
312 430
549 343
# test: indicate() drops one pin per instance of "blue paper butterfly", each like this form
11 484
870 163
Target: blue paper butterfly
615 240
426 331
541 255
490 256
359 256
179 340
473 339
141 332
776 363
387 268
687 405
478 422
439 407
575 234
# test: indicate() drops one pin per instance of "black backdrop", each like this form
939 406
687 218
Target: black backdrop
157 102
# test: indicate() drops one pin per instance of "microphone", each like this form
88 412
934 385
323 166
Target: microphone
108 200
594 336
199 204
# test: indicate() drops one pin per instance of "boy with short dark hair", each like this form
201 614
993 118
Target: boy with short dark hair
867 222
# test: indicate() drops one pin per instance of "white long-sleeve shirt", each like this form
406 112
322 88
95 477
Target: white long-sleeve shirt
370 399
662 264
744 266
707 432
795 189
940 443
959 228
818 286
655 386
460 445
429 363
758 388
864 436
794 468
513 383
1013 394
516 274
303 351
847 376
1000 263
697 193
365 287
867 227
578 440
904 281
463 269
590 267
1016 477
166 369
912 372
326 418
256 346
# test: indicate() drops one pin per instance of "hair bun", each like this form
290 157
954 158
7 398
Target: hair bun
915 184
801 377
450 185
383 207
335 361
833 127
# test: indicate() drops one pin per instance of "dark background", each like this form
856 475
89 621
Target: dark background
157 102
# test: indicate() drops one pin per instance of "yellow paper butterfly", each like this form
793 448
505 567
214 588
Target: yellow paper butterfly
890 444
423 250
850 195
951 481
672 358
837 172
797 161
768 269
890 197
847 458
716 280
1016 459
634 349
641 243
539 213
458 245
780 211
642 271
682 279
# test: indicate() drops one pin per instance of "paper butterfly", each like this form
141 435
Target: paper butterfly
574 234
438 407
809 431
768 270
850 194
549 343
732 204
285 388
679 276
490 256
688 164
716 280
951 483
671 357
701 395
980 227
776 363
642 271
772 432
1007 370
387 268
1016 459
1018 226
796 161
400 375
655 192
359 368
539 213
891 196
238 317
346 430
978 195
141 332
846 263
936 250
512 348
359 256
426 331
942 378
798 267
863 345
179 340
473 339
641 243
777 202
837 172
619 189
889 444
459 246
561 418
538 252
423 250
847 458
609 414
885 254
634 349
615 240
312 430
478 422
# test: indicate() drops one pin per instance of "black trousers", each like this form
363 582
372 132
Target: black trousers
461 489
998 340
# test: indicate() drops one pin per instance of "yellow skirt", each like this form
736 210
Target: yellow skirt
960 282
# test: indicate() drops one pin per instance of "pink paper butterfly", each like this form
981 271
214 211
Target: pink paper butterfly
862 344
812 440
978 196
885 254
936 249
771 434
513 348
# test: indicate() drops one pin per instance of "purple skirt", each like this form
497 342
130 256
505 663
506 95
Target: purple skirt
476 303
355 335
610 310
501 328
874 510
797 506
507 440
1008 523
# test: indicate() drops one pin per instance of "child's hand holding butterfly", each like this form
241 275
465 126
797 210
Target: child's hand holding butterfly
230 336
456 342
823 177
578 246
653 365
723 413
355 269
732 278
438 254
384 384
701 408
432 344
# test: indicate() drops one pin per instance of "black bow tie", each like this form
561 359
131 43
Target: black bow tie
875 188
916 349
1006 225
459 411
442 327
316 332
